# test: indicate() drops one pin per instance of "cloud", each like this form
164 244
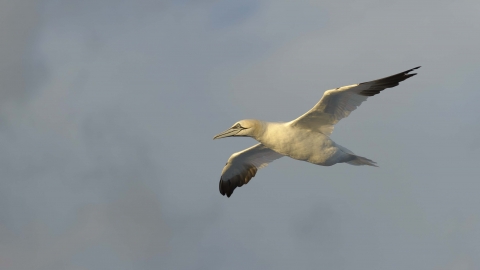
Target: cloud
106 151
131 225
18 24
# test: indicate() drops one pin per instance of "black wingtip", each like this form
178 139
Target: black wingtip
220 187
412 70
379 85
226 187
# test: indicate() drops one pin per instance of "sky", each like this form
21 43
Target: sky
108 109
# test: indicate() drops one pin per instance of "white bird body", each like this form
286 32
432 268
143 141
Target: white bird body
306 138
302 144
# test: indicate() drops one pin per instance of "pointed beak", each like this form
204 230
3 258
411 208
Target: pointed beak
227 133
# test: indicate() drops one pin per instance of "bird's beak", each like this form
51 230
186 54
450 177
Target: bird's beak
227 133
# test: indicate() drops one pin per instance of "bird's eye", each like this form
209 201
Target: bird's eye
237 126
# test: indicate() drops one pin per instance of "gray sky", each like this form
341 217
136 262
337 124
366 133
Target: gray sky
108 109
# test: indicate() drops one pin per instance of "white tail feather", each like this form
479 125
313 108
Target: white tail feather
359 161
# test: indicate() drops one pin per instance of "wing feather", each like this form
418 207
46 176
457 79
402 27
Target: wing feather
242 166
338 103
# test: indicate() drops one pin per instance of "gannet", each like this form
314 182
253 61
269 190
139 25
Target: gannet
306 138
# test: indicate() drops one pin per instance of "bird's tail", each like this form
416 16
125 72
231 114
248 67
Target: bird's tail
355 160
359 161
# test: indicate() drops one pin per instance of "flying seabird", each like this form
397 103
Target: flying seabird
306 138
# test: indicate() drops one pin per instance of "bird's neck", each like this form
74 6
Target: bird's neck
264 130
258 129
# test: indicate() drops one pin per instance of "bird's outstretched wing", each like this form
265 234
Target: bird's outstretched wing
340 102
243 165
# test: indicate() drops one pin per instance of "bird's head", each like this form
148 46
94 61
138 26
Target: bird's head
243 128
